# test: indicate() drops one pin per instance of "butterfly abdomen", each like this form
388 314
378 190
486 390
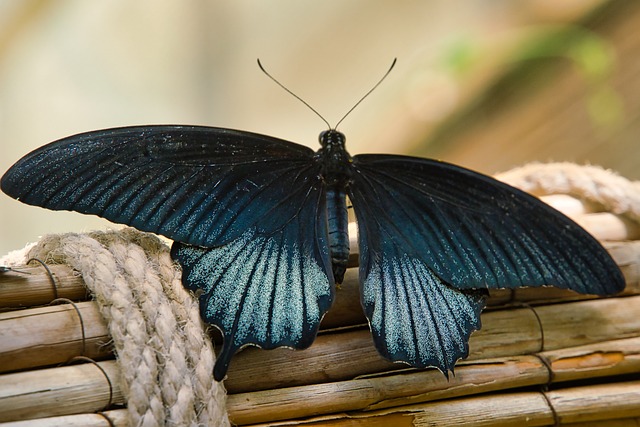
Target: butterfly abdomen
336 173
338 232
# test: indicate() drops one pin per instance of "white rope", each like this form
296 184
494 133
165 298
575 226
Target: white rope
592 183
165 356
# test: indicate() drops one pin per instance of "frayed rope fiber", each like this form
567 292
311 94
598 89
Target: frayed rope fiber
165 355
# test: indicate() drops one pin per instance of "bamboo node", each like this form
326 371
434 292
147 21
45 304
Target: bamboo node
539 321
107 418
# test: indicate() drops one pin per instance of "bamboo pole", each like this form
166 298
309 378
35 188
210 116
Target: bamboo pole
348 354
65 390
619 422
571 206
377 392
589 215
347 310
50 335
593 403
341 371
31 285
35 289
79 388
113 418
577 404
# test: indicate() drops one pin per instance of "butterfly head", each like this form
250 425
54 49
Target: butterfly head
332 139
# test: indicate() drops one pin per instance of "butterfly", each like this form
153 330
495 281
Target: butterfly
259 226
260 229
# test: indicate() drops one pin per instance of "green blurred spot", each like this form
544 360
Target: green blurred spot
460 56
605 106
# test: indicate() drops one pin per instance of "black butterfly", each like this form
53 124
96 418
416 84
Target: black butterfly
260 228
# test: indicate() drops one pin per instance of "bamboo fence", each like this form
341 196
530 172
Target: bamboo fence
543 357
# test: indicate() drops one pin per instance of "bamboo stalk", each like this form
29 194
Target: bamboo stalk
620 422
347 310
608 226
114 418
591 403
597 402
577 404
50 335
35 288
602 225
570 205
345 355
59 391
74 389
385 391
335 373
32 286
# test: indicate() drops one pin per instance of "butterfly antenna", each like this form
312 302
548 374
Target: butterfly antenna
293 94
368 93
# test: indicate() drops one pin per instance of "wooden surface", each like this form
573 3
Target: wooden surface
341 372
538 348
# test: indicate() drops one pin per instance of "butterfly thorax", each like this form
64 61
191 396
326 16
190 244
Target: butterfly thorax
336 161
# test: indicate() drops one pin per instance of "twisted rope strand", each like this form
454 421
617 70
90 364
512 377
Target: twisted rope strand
165 355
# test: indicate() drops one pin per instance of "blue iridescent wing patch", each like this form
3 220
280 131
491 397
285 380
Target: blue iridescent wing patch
431 233
267 290
414 316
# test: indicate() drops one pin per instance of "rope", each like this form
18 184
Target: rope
165 355
592 183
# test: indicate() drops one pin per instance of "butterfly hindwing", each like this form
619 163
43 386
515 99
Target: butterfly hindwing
199 185
414 316
433 235
266 290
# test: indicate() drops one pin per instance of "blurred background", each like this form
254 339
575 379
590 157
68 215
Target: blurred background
487 84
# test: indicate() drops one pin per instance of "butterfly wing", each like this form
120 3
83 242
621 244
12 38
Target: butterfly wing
197 185
431 227
270 290
247 213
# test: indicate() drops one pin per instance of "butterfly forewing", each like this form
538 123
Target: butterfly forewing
475 232
198 185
